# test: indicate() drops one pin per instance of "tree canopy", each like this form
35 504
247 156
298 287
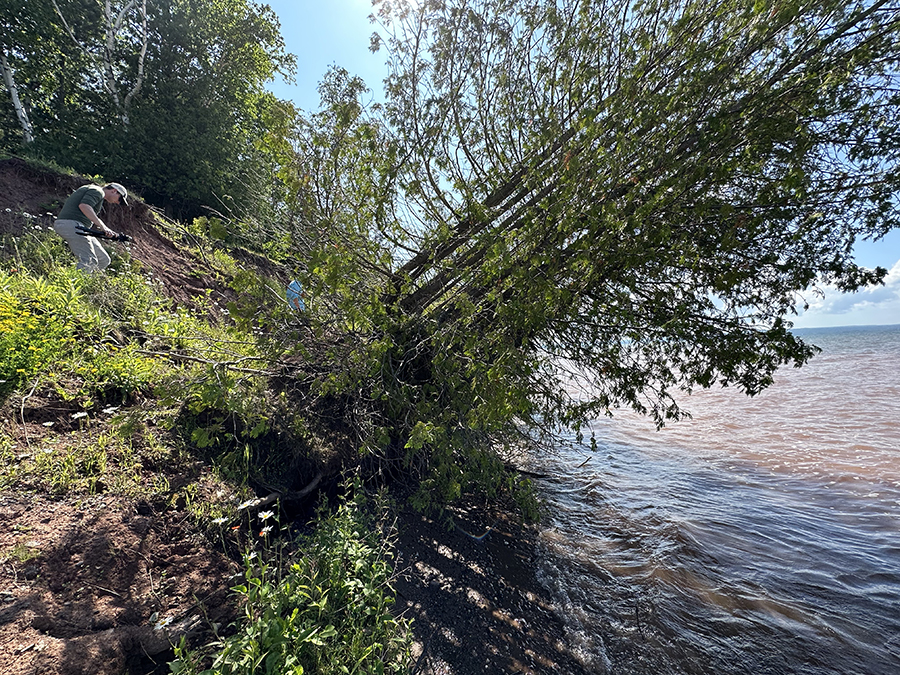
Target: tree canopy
581 205
168 97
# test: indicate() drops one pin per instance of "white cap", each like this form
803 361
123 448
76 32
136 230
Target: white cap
120 189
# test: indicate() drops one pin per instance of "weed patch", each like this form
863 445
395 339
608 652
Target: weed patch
326 613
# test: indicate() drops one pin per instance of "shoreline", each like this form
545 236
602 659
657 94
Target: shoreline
471 592
474 597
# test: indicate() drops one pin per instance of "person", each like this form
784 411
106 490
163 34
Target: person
81 210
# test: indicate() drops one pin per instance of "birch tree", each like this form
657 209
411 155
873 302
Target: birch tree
13 89
123 37
24 32
201 128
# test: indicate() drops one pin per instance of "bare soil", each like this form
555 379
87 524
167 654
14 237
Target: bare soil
104 584
110 583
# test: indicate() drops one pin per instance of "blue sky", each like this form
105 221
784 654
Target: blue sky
337 32
321 34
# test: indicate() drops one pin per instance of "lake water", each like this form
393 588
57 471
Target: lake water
762 536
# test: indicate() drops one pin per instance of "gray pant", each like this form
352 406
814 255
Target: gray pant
91 255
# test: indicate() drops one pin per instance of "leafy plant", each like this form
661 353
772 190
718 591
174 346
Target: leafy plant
328 613
31 337
51 323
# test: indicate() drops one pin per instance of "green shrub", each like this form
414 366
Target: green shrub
329 612
31 338
38 250
49 323
114 373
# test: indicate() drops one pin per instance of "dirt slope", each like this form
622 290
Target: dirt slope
109 584
32 191
99 585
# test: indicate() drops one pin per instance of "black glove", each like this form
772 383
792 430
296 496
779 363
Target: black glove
100 234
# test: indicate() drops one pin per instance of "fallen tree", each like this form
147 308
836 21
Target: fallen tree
564 208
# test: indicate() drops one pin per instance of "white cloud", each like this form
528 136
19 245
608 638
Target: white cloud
870 306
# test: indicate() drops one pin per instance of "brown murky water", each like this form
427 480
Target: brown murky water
763 536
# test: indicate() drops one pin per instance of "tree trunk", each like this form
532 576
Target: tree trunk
21 113
106 66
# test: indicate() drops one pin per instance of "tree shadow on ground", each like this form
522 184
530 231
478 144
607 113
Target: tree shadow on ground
475 601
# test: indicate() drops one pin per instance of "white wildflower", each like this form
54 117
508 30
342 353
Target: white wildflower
159 624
